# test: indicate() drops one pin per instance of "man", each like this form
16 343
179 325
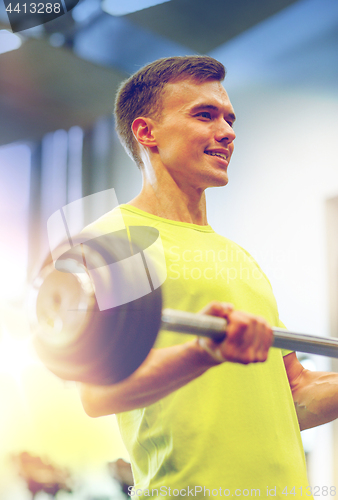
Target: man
199 418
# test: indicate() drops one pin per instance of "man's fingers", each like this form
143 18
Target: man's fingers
248 337
215 308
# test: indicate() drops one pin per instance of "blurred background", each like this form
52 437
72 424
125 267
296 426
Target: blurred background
58 144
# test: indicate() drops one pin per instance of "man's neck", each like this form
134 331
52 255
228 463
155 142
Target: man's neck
170 202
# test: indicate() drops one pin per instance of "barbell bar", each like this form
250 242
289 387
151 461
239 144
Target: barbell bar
87 329
215 328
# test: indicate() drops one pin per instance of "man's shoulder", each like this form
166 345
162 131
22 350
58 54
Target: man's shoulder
115 220
111 221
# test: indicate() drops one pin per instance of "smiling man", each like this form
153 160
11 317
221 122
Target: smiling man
199 418
194 136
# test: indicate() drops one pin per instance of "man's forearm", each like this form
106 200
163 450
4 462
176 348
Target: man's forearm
164 371
316 398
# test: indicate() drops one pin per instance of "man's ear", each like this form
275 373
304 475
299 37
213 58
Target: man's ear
142 128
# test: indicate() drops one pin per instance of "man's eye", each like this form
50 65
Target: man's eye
204 114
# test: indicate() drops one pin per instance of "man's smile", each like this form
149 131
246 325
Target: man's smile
220 153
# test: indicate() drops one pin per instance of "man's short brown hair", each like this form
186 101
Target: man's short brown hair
140 94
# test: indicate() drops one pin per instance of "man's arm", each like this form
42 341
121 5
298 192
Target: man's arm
166 370
315 394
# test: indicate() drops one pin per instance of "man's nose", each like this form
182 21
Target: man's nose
225 133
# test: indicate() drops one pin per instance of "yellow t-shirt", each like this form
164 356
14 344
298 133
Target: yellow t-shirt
232 431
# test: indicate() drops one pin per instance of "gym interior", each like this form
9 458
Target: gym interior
58 144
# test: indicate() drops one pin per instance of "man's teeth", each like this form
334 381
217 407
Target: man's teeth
216 154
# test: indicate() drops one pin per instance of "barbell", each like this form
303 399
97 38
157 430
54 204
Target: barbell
96 309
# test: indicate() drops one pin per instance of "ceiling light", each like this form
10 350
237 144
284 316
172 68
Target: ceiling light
84 10
8 41
118 8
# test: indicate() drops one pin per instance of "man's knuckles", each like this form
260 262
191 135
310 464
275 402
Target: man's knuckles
248 338
241 323
216 308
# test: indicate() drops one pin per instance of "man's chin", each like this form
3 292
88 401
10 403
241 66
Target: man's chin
219 181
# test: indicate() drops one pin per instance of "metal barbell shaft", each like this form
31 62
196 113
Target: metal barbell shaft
215 328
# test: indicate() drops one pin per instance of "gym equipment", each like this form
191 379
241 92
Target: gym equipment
88 328
82 329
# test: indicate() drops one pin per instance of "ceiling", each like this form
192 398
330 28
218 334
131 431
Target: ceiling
203 25
43 87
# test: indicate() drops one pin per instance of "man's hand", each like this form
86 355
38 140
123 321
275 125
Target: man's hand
248 337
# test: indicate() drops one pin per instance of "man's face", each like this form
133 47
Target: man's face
194 135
